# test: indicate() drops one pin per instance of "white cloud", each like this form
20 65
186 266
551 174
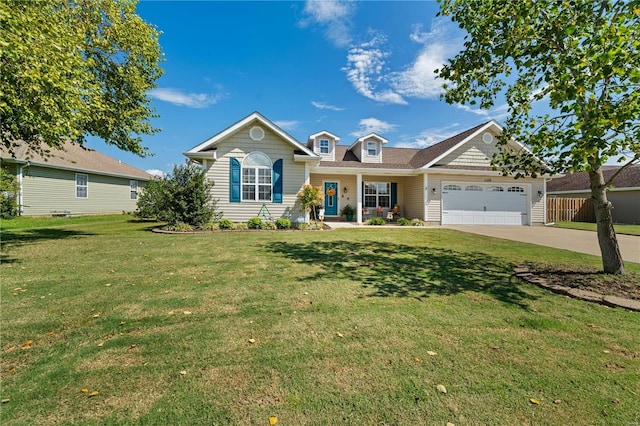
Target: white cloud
180 98
287 124
322 105
429 136
156 172
365 70
372 125
334 16
419 80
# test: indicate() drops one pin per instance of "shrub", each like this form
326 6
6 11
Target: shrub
183 196
310 198
241 227
283 223
179 227
210 226
8 191
418 222
225 224
403 221
348 210
255 223
270 226
376 221
302 226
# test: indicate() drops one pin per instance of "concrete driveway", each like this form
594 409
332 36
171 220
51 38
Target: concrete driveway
568 239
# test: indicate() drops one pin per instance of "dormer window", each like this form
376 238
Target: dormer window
372 148
324 146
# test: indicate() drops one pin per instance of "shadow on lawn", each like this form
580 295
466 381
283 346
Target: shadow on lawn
10 240
408 271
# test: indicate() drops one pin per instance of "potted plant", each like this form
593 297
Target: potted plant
348 211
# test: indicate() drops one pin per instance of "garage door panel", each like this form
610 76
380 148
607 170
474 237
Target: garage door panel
487 204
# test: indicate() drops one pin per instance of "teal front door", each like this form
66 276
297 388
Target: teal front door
331 198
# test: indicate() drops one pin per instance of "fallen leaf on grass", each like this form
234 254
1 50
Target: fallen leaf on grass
171 312
27 344
534 401
85 390
441 389
432 353
186 312
183 373
4 401
591 325
450 424
557 401
252 340
339 334
416 359
96 315
273 420
100 344
94 393
606 351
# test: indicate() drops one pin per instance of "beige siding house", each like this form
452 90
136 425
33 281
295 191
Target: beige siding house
256 166
73 181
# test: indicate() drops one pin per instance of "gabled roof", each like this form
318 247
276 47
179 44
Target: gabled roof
394 158
628 178
369 136
431 154
255 116
72 157
324 132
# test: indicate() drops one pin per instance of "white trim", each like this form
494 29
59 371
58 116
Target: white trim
324 132
425 196
29 163
364 138
359 197
544 201
256 116
367 171
209 155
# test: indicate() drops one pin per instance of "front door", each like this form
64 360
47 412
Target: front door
331 198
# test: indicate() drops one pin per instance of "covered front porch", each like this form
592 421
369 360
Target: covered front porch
389 196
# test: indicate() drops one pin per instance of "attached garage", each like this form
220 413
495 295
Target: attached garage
484 204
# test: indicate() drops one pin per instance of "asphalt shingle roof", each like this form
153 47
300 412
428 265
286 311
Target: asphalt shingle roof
75 157
628 178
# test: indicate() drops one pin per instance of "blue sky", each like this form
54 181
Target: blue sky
347 67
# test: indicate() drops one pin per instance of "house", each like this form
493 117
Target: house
254 163
624 194
75 180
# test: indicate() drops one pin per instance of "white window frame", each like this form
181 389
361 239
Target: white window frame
371 144
372 191
260 178
322 147
133 189
84 186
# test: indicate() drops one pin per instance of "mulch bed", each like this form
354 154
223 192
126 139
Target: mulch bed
627 286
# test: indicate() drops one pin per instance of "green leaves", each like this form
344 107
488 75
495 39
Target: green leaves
72 69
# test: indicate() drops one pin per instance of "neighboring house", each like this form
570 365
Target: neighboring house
624 194
76 180
254 163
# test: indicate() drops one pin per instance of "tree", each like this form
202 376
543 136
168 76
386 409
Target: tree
583 58
9 190
73 68
182 197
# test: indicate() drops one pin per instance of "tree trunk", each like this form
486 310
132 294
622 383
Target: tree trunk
611 257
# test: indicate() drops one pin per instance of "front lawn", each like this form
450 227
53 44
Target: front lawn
104 322
584 226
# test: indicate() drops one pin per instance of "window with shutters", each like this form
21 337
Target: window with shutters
256 177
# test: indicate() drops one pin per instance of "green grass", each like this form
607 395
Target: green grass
584 226
341 323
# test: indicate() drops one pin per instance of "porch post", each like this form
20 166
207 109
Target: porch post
359 197
307 181
425 185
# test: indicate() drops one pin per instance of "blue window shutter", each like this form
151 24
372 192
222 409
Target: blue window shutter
394 194
234 181
277 182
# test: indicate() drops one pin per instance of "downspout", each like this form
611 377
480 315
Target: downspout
359 198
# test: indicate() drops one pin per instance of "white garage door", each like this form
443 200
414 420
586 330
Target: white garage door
484 204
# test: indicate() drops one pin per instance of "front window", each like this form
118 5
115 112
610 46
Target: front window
377 194
82 185
256 177
372 148
324 146
133 189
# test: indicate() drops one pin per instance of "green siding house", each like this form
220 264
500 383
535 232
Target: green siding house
75 181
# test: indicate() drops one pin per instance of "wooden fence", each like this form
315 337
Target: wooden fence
570 210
